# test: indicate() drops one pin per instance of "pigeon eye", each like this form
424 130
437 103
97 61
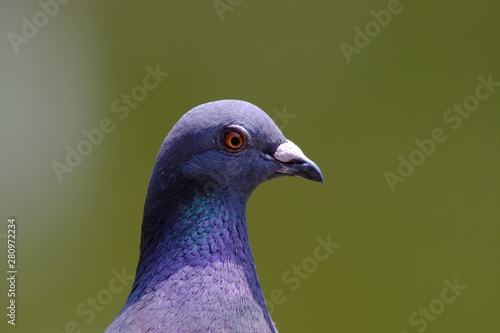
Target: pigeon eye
233 140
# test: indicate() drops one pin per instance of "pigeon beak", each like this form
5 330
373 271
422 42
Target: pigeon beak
294 163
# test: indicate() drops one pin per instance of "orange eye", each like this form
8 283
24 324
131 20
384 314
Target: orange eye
234 140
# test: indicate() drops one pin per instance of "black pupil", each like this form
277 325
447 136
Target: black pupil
235 141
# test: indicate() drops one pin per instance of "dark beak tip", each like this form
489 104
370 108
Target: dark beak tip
321 179
309 170
317 177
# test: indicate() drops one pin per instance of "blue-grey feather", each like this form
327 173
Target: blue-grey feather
196 272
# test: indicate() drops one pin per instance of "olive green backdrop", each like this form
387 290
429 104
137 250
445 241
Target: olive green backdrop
353 101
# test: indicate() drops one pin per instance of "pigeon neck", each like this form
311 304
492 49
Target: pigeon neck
208 226
207 229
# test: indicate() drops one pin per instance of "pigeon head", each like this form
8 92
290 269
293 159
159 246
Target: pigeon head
196 272
231 145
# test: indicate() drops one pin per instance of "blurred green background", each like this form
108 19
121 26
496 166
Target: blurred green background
354 119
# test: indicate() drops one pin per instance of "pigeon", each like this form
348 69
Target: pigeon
196 271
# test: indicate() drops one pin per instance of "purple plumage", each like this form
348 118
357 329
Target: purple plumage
196 272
